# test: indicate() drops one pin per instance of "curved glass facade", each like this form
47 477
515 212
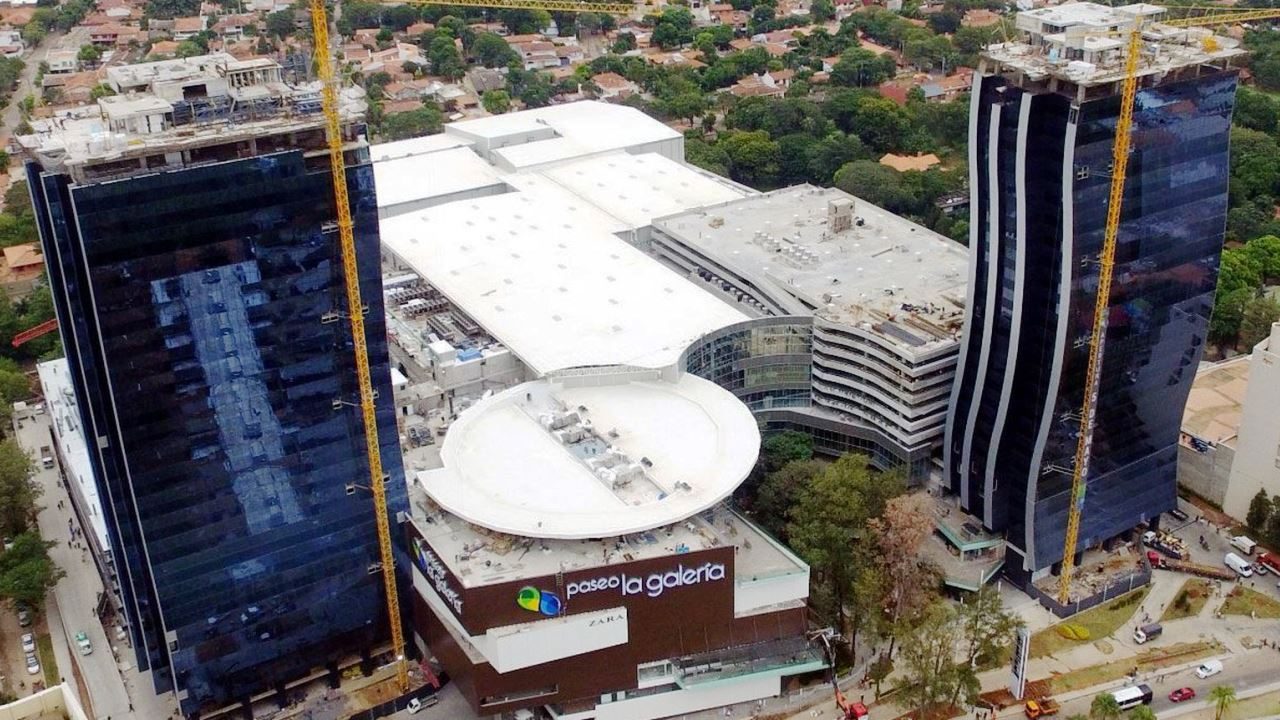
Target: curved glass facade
1046 178
765 362
197 314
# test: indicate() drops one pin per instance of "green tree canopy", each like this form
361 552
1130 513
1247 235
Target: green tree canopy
18 490
1259 511
26 572
496 102
426 120
492 51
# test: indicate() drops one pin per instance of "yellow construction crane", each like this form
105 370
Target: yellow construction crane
1106 264
355 314
355 306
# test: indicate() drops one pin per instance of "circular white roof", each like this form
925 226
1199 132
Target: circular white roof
594 453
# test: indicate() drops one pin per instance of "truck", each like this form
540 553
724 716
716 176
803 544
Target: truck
1270 561
1041 707
1244 544
46 457
1208 571
1147 632
1165 543
1239 564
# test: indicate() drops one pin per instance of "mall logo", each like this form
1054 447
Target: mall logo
653 585
541 601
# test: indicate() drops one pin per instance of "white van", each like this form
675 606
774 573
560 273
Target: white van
1239 564
1244 544
1209 668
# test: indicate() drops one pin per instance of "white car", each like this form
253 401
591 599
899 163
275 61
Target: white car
1209 669
82 642
28 643
33 665
416 705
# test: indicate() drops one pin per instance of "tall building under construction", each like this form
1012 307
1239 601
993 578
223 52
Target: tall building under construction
192 245
1042 123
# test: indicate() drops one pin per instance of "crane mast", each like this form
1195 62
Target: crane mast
1106 265
355 315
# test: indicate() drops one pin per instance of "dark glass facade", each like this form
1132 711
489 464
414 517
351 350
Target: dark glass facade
197 312
1041 178
766 363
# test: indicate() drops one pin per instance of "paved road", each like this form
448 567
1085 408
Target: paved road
1240 671
110 685
76 593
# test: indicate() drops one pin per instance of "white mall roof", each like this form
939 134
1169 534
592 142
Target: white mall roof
688 444
542 272
638 188
414 146
427 175
563 132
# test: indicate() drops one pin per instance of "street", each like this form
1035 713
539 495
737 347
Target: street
73 602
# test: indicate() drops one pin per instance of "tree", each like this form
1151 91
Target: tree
496 102
1259 511
492 51
1255 322
167 9
18 490
1142 712
89 53
1273 522
588 22
779 493
873 182
926 659
822 10
988 627
1222 697
425 120
1255 110
784 448
859 67
686 105
444 57
524 22
1253 171
625 42
828 528
1104 707
899 532
280 24
753 158
26 572
1265 251
944 22
101 90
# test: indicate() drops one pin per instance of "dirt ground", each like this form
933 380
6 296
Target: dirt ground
13 663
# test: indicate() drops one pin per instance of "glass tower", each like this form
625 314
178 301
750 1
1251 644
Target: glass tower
200 312
1040 176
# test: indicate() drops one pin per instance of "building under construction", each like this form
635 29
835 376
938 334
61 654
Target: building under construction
1042 124
189 226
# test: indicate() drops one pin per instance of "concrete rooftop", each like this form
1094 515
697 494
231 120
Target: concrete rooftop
1214 406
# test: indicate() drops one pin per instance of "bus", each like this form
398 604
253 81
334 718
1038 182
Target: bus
1132 696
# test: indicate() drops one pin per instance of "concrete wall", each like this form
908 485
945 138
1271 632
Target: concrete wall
1257 461
57 701
1206 473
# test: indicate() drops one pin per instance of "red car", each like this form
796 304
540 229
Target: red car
1182 694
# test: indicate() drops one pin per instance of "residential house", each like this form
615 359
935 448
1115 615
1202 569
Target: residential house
185 28
62 61
72 88
415 89
367 37
980 17
20 269
736 19
11 44
741 44
231 27
896 90
114 35
537 54
163 49
903 163
679 59
613 86
17 16
353 53
949 87
486 79
762 85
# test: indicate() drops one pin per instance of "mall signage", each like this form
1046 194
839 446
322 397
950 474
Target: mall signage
652 585
435 571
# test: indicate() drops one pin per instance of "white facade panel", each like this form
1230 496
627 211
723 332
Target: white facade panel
694 699
521 646
750 595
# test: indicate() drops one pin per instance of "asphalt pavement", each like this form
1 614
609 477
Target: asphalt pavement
75 597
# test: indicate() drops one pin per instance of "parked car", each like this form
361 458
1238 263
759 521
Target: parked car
1179 515
417 705
1208 669
82 642
33 665
24 617
1260 569
1182 694
28 643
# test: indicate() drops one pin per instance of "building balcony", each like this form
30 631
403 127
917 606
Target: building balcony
788 656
